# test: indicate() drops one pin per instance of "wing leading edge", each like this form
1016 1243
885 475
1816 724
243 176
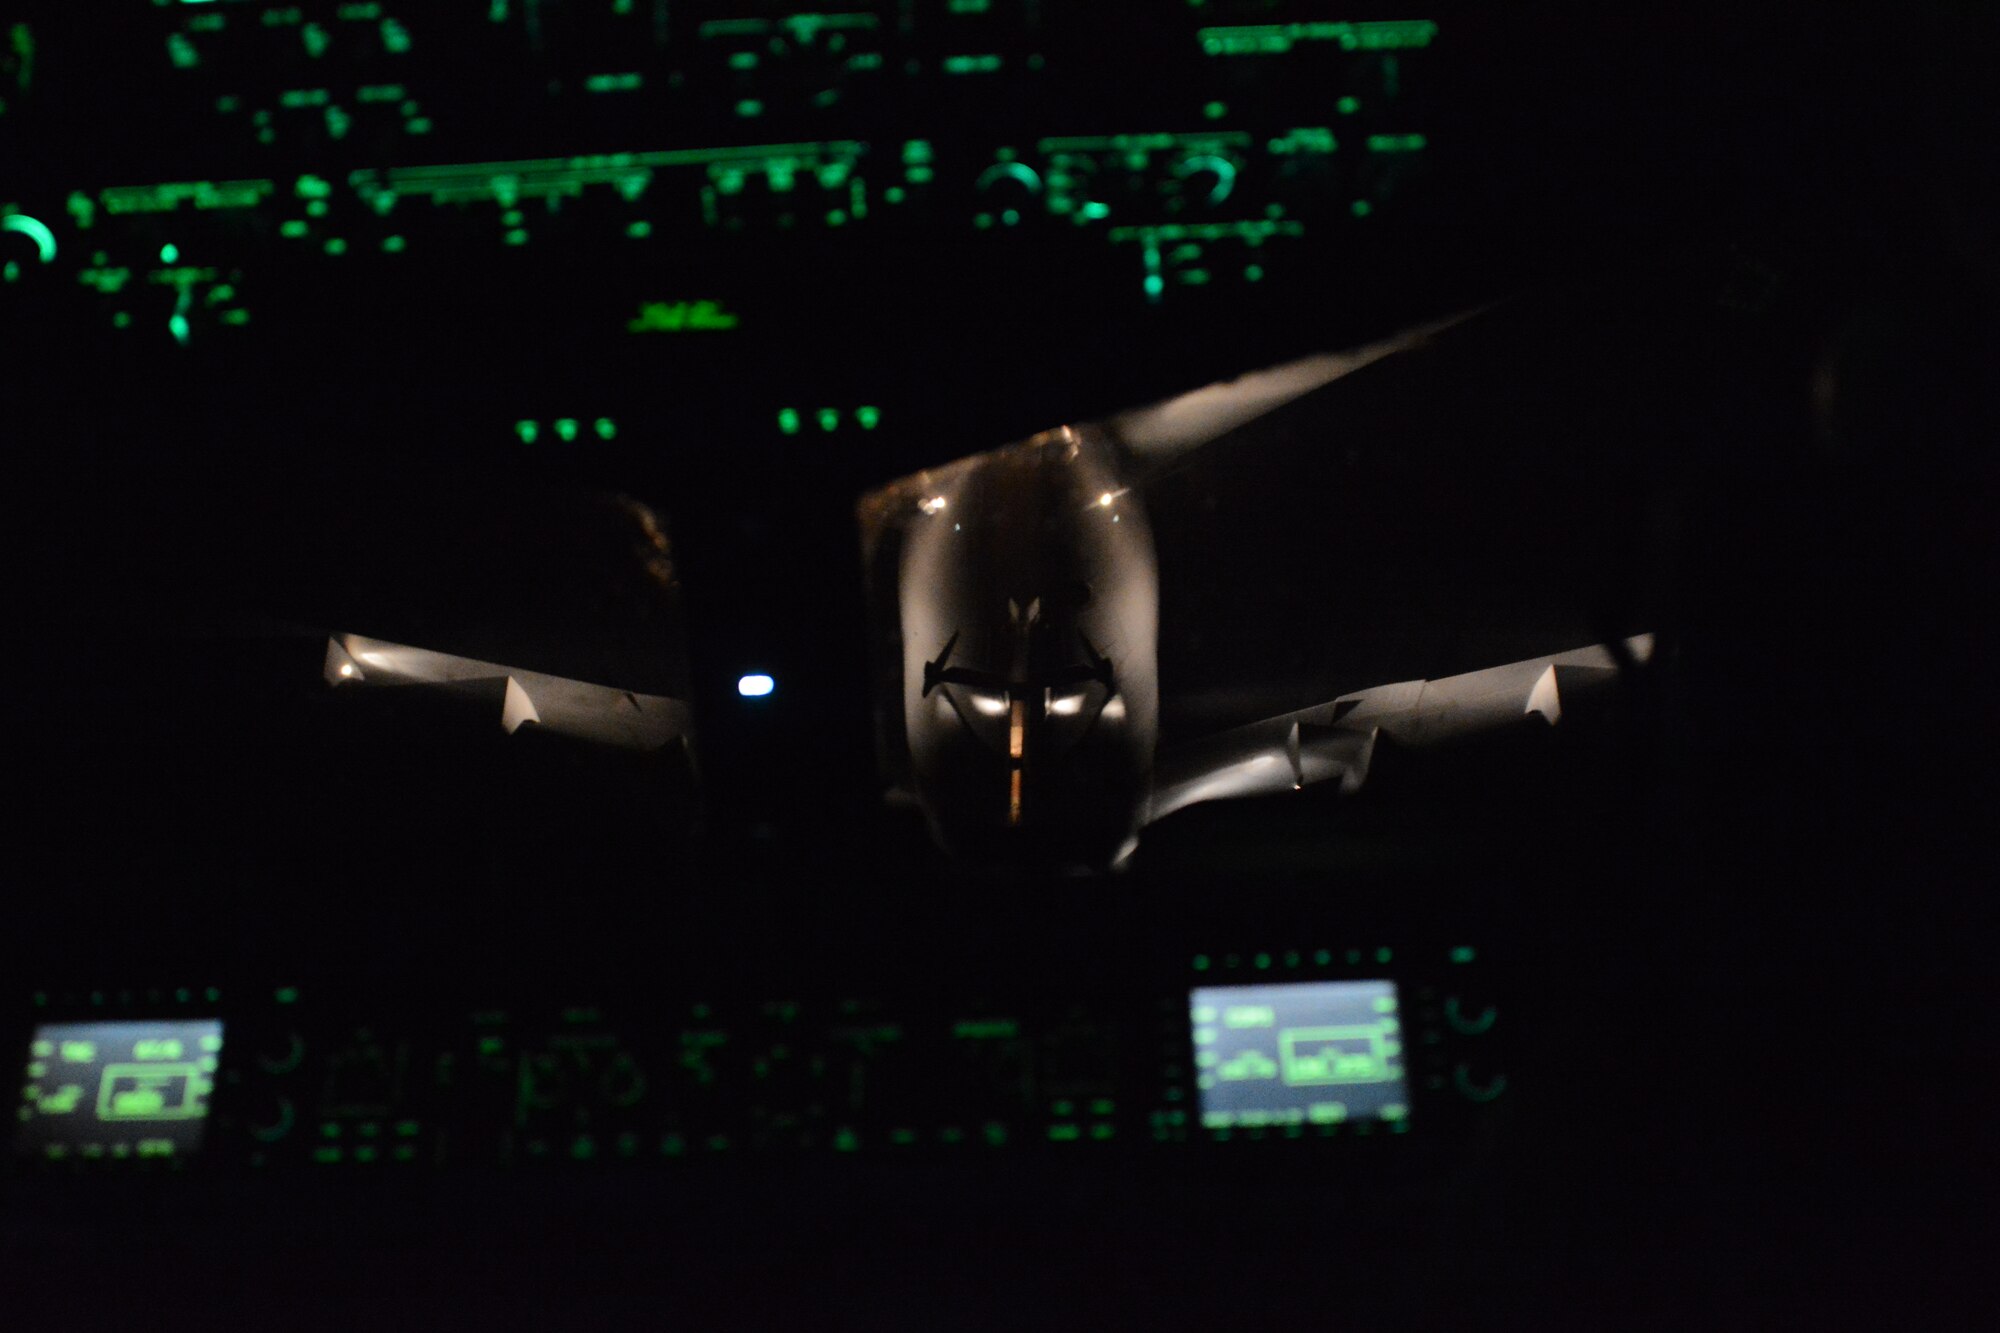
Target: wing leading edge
1335 741
599 713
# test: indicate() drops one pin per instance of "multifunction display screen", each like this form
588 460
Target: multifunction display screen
118 1089
1317 1052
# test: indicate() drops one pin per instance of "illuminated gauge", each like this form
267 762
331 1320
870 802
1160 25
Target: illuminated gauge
1208 177
35 246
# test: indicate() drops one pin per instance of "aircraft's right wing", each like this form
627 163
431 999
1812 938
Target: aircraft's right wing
1335 741
599 713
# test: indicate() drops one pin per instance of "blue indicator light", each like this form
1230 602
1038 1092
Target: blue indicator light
755 687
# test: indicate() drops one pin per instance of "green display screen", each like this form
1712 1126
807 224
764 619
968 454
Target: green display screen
137 1089
1297 1054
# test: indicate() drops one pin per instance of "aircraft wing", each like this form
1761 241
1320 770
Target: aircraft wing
1335 741
1160 433
599 713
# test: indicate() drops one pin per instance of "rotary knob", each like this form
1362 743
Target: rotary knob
280 1052
273 1119
1470 1015
1204 179
622 1082
1477 1083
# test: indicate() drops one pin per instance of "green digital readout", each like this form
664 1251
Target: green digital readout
137 1089
1302 1053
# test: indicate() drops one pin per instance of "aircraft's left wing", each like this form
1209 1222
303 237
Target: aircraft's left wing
600 713
1335 741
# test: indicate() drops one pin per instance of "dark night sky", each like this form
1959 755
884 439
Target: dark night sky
1766 242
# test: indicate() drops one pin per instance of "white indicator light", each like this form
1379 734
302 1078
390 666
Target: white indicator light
755 687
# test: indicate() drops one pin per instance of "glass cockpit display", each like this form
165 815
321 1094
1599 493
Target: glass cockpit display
124 1089
1319 1052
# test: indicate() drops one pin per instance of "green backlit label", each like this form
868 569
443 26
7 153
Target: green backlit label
202 195
681 317
1267 39
985 1028
980 64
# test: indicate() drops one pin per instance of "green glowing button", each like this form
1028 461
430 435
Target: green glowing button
788 420
167 1049
867 417
829 418
1249 1016
79 1052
